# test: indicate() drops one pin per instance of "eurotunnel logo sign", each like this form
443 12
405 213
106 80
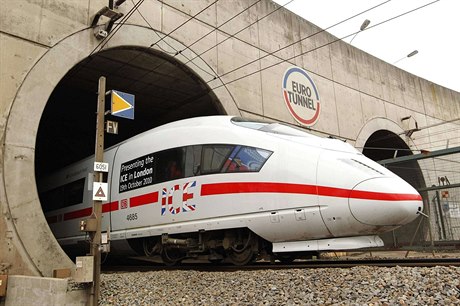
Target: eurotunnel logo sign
301 96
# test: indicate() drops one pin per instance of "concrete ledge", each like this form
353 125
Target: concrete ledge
31 290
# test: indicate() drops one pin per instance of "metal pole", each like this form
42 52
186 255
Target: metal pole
443 227
97 205
415 234
429 226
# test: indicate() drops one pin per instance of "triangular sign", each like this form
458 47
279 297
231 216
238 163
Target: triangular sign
100 193
119 104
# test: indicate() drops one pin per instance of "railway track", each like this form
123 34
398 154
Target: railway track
148 265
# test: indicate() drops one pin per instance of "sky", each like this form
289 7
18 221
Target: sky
434 31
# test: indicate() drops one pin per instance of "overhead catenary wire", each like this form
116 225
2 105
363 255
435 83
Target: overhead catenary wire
183 23
322 46
202 37
444 132
214 76
416 139
300 40
420 147
172 31
224 23
177 52
417 142
440 123
161 48
241 30
272 53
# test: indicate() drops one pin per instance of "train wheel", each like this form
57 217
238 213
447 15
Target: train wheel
243 252
171 257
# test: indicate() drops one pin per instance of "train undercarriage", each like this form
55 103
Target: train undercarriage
236 246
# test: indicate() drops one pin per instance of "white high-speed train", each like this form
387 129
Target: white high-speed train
232 189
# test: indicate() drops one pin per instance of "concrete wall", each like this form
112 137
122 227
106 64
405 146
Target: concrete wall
41 40
29 290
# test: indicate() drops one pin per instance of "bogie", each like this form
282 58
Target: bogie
237 246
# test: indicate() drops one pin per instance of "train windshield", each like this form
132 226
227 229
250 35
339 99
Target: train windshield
270 127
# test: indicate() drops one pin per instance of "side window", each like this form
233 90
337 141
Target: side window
192 161
63 196
213 157
246 159
170 164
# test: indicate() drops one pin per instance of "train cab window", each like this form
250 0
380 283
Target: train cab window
170 164
213 157
246 159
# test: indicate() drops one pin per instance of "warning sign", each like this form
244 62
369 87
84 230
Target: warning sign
100 191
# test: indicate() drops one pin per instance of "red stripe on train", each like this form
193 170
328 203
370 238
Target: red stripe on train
227 188
250 187
368 195
149 198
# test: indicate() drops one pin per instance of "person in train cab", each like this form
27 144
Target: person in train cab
236 166
174 171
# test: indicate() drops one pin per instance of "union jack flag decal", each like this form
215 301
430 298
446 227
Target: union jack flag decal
167 198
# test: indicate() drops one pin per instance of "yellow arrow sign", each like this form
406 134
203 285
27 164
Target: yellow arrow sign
122 104
119 104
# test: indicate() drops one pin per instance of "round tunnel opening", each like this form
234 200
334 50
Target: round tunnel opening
384 144
165 90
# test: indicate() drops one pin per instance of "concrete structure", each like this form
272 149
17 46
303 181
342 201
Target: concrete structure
26 290
50 55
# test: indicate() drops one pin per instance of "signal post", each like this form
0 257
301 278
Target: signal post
122 106
95 250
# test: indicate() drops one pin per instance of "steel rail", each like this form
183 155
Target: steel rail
304 264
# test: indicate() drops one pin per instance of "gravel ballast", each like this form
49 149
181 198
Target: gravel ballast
355 286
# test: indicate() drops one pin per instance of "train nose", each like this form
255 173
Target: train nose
385 202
